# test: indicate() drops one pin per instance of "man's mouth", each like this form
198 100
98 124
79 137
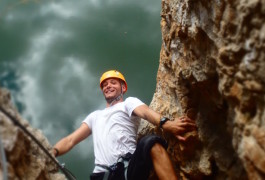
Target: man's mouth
109 91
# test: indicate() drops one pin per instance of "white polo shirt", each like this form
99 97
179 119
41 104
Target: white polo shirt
114 131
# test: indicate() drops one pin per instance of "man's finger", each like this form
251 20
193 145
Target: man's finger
181 138
188 120
182 118
187 124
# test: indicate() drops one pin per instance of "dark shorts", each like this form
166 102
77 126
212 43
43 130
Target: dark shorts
140 164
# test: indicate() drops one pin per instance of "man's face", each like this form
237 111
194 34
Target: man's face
111 88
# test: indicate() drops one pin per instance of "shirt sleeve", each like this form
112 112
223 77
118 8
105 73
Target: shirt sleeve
89 120
131 103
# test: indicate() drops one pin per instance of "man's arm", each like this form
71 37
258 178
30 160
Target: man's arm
68 142
144 112
178 127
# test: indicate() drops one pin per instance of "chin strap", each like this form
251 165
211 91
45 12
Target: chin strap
116 99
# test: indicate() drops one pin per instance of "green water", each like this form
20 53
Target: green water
52 54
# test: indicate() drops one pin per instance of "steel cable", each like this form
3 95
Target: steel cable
66 172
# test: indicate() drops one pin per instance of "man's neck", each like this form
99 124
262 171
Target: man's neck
115 102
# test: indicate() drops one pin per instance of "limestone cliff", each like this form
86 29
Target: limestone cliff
212 70
24 159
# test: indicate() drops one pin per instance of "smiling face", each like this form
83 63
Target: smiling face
112 88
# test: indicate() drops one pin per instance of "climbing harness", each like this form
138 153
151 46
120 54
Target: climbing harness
3 160
62 167
121 165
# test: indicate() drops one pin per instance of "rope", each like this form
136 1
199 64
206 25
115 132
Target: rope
66 172
3 158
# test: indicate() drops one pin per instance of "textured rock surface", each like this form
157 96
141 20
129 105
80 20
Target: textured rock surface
212 69
25 160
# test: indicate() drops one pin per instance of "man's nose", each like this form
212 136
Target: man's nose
108 85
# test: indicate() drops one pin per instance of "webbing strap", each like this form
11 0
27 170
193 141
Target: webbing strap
126 164
124 160
106 175
103 166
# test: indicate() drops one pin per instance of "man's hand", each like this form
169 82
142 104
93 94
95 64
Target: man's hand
180 126
55 152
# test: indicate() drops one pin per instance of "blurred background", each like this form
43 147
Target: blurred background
52 54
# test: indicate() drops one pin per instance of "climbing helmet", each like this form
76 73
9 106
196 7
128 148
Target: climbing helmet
112 74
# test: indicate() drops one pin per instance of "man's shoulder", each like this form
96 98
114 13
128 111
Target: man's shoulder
94 113
131 99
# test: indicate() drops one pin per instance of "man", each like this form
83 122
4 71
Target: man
115 131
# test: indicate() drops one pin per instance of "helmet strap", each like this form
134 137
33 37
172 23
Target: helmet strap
116 99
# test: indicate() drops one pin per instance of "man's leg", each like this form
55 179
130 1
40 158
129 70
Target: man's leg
162 163
151 153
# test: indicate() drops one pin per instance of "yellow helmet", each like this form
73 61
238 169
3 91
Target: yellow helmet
113 74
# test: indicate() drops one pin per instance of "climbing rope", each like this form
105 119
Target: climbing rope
66 172
3 159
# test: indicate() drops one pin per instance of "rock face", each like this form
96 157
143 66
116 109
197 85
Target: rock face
24 159
212 70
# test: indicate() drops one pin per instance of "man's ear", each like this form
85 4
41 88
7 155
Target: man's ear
123 86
